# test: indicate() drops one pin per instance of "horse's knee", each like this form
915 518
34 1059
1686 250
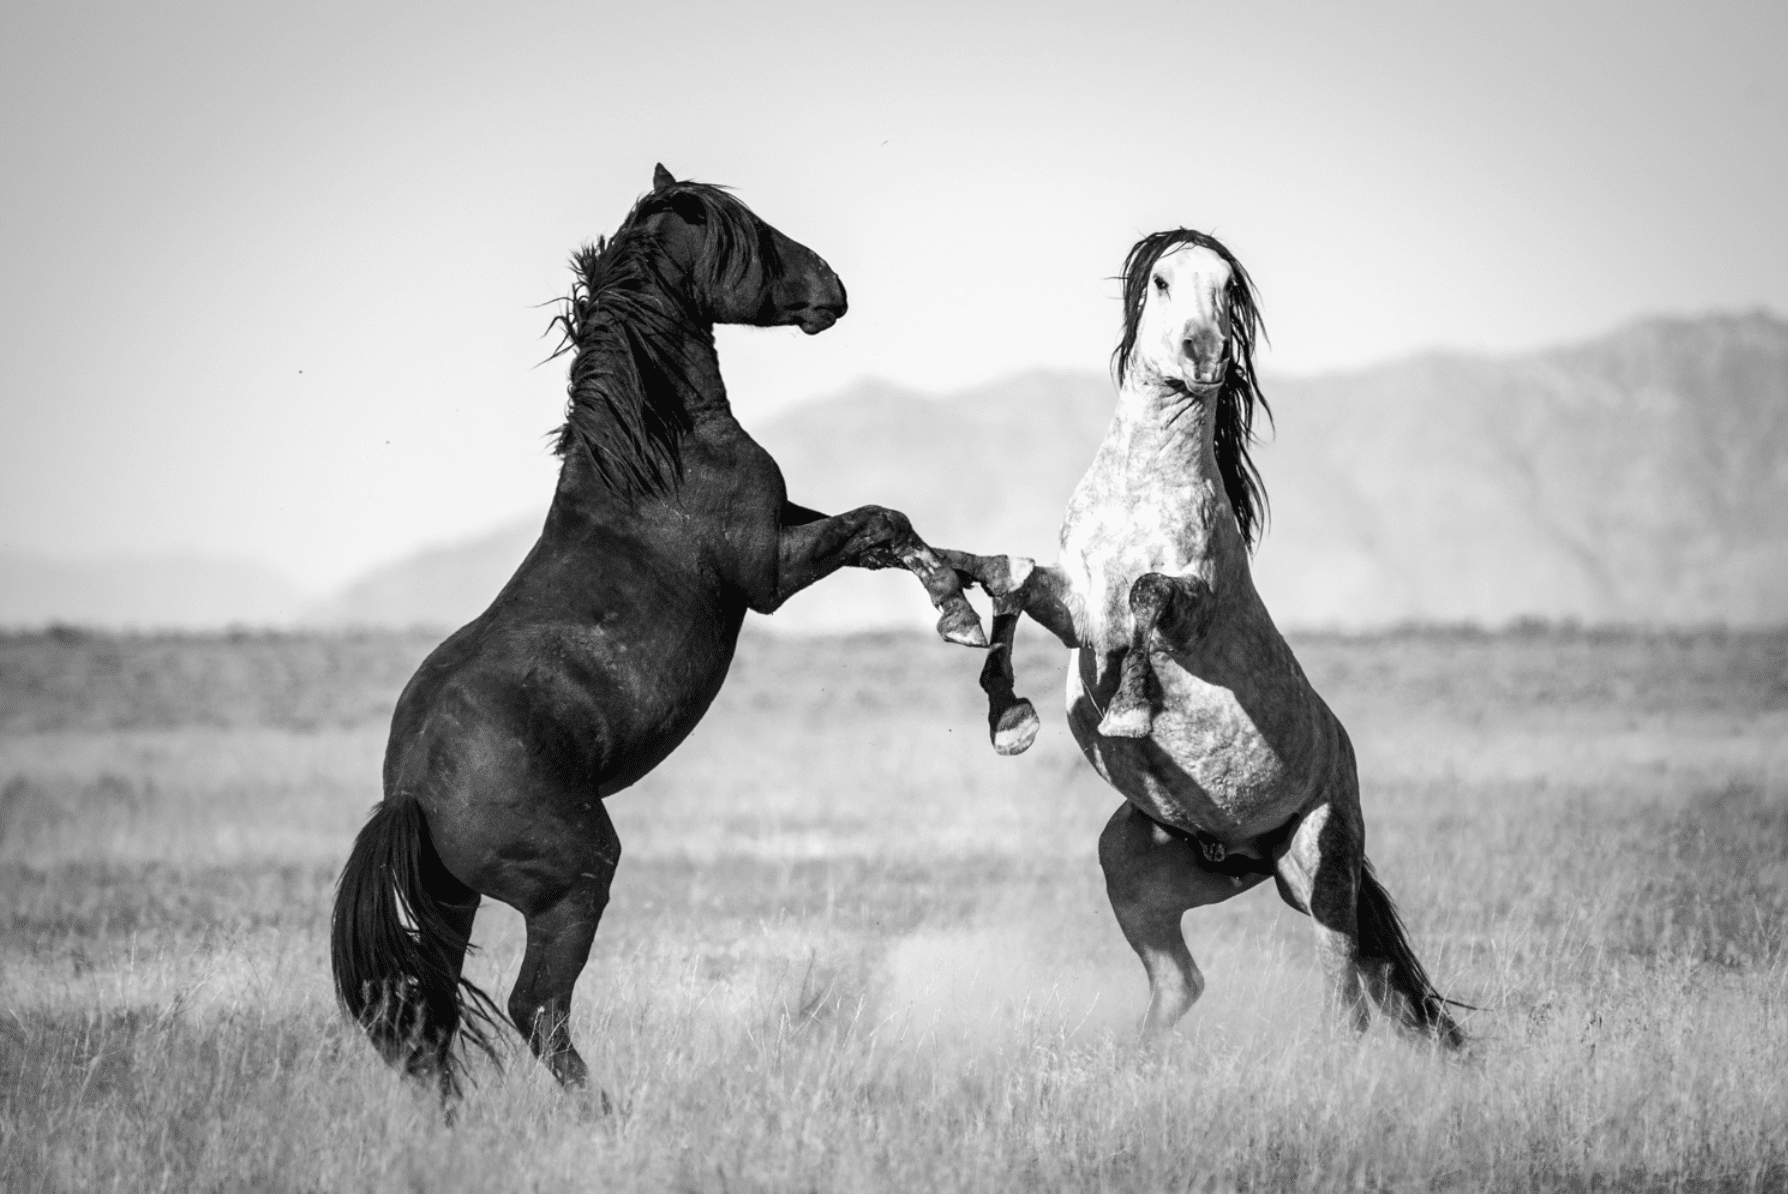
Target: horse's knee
1179 607
1120 846
1150 595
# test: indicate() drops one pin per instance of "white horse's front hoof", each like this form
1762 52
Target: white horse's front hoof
960 624
1016 728
1127 720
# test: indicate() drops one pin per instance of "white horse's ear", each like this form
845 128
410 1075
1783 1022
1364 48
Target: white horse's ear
661 178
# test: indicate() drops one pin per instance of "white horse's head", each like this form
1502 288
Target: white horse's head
1184 328
1190 324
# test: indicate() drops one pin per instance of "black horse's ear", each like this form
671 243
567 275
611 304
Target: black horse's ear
661 178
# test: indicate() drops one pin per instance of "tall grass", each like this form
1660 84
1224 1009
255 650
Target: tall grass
851 949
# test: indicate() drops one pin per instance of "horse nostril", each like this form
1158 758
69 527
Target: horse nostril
1204 344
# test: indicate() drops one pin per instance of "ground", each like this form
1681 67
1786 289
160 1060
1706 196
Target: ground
852 949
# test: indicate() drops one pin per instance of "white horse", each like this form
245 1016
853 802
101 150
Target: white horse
1183 694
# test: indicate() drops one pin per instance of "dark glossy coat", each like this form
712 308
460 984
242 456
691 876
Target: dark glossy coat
609 643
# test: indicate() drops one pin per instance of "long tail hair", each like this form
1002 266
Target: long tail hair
1398 979
395 955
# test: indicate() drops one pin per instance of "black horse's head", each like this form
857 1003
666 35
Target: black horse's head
738 268
641 313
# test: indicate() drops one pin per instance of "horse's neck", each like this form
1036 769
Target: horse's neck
726 477
1163 436
1155 480
582 495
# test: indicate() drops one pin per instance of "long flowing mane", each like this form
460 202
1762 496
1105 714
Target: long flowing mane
1241 387
637 329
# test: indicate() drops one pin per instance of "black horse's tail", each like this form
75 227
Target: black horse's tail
1398 980
396 955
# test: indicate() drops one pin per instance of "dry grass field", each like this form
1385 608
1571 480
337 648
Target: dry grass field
851 949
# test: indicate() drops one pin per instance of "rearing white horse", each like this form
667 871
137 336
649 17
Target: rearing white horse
1183 695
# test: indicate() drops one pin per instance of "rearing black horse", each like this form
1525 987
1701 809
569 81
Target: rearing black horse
609 643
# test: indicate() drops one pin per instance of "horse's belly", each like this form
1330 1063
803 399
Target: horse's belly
1207 762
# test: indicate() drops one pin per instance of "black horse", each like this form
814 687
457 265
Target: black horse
609 643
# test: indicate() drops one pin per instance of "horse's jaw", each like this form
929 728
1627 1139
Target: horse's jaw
1191 386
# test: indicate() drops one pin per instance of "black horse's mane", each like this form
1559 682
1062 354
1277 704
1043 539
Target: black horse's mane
1241 388
636 327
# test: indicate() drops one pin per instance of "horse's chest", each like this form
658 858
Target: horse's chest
1231 741
1107 544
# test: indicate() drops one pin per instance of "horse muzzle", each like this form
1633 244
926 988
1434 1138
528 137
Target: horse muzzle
1205 359
814 320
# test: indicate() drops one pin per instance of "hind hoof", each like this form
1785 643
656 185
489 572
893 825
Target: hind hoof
592 1104
960 625
1015 728
1127 721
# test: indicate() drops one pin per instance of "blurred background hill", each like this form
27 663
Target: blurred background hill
1637 478
173 591
1641 477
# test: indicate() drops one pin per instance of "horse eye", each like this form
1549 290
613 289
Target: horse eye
1160 283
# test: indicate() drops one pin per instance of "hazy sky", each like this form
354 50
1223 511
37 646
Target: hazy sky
270 275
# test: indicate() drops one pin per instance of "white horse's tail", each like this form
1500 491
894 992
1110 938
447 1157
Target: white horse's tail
1396 976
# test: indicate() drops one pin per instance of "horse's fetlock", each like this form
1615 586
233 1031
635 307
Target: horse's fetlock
893 523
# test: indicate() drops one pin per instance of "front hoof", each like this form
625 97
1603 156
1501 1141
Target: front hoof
1015 728
960 625
1127 719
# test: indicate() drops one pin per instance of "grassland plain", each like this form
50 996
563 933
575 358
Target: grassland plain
851 949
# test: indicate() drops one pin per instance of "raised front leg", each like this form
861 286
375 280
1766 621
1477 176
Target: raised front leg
1179 609
812 546
1017 586
1011 719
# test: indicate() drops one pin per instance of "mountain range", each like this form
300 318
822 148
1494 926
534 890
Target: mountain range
1638 478
171 591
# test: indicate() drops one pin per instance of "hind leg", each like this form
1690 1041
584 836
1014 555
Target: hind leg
458 909
1319 875
1153 877
561 896
559 938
